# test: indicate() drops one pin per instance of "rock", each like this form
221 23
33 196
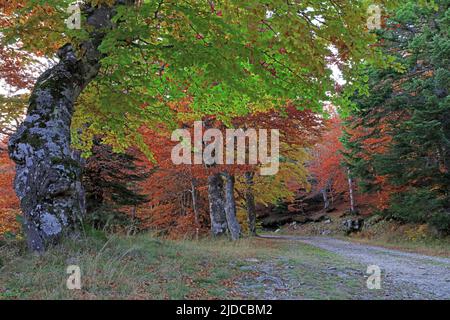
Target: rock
332 268
353 225
265 279
247 268
276 220
293 225
301 219
320 218
307 202
327 221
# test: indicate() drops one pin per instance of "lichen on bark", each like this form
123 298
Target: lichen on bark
222 206
48 174
217 205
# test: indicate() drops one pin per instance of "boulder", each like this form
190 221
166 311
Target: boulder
301 219
276 221
320 218
353 225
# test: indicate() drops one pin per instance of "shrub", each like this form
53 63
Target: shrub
441 222
415 206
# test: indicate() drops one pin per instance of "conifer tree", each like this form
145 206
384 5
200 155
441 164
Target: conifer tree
111 181
404 137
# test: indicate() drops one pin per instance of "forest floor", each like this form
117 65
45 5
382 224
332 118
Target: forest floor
146 267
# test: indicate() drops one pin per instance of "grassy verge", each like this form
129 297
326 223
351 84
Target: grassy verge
141 267
439 247
145 267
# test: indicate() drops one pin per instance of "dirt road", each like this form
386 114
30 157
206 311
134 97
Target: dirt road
422 276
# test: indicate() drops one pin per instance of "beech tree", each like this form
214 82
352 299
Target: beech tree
130 58
189 199
328 170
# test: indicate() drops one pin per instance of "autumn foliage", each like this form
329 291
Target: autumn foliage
236 68
326 166
9 204
178 203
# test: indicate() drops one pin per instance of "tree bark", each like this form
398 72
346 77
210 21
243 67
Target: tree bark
48 177
194 194
230 207
217 205
326 202
250 203
350 187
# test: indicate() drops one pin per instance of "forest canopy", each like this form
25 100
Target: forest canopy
362 112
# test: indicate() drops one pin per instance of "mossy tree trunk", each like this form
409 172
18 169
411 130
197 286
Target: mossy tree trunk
222 205
230 207
217 205
48 178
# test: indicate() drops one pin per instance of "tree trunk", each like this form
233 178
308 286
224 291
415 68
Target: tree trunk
250 203
216 205
230 207
350 187
194 206
326 202
48 177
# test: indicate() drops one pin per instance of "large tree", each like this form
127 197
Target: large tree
131 58
402 141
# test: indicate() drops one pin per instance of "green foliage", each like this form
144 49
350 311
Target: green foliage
111 182
106 218
400 133
11 111
94 233
420 206
233 58
416 206
441 221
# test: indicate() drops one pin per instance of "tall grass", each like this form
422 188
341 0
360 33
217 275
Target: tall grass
130 267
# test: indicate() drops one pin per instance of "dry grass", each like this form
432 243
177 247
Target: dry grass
406 237
138 267
147 267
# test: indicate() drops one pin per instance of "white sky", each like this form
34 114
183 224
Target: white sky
7 90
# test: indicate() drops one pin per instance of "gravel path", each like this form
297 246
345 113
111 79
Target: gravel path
431 275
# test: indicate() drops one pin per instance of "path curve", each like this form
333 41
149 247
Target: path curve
429 274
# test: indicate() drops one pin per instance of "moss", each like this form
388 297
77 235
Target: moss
66 162
32 139
55 86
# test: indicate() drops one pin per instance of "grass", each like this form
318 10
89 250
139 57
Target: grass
140 267
146 267
439 247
